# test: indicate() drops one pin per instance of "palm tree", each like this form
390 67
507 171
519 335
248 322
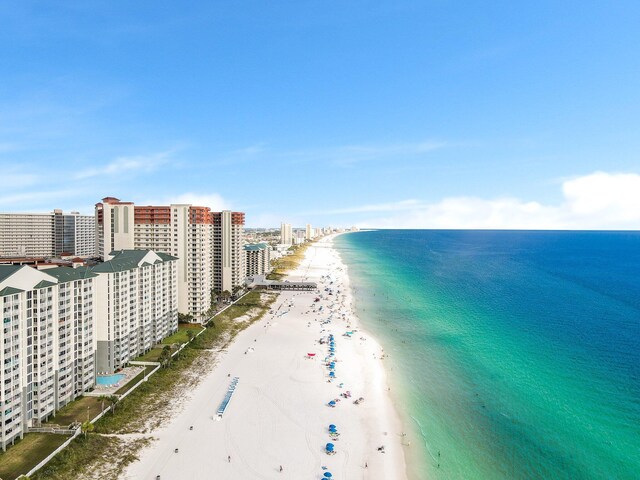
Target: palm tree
165 356
87 427
237 289
102 398
113 399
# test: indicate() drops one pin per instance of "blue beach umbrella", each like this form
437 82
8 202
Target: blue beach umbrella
329 447
332 402
327 475
332 426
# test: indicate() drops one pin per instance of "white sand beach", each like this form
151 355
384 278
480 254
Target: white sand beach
278 415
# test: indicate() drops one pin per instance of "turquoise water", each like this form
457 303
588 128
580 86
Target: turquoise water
514 355
109 379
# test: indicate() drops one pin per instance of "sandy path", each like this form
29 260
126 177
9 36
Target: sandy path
278 414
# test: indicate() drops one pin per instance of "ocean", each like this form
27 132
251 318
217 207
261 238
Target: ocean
513 355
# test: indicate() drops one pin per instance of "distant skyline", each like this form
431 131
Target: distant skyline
405 114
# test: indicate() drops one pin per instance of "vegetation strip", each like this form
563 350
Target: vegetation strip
284 264
98 454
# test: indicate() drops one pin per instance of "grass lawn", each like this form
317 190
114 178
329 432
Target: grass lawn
151 356
77 411
27 453
181 335
150 400
140 404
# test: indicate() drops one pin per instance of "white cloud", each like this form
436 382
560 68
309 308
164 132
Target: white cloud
599 200
27 200
375 207
8 147
12 181
348 155
144 163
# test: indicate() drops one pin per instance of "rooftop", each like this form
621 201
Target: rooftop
124 260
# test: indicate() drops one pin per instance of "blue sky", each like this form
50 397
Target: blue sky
406 113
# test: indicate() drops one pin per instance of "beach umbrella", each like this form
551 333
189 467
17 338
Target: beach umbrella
329 446
332 402
327 475
332 374
332 426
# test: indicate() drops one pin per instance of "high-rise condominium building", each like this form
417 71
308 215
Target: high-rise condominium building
48 343
208 245
114 226
257 259
185 232
46 234
74 234
286 235
136 305
228 255
309 232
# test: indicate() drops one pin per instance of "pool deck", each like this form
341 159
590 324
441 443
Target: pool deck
129 374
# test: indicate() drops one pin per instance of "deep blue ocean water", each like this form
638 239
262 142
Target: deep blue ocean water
514 355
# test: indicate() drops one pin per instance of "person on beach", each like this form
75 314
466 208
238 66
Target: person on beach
281 468
229 458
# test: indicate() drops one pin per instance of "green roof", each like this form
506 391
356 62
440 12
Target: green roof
124 260
7 270
252 247
68 274
43 284
9 291
166 257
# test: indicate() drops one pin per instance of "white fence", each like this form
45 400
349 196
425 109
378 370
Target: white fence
51 455
101 414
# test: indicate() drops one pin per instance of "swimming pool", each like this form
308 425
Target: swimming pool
108 380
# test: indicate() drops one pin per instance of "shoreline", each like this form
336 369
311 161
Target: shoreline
278 415
396 418
415 463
